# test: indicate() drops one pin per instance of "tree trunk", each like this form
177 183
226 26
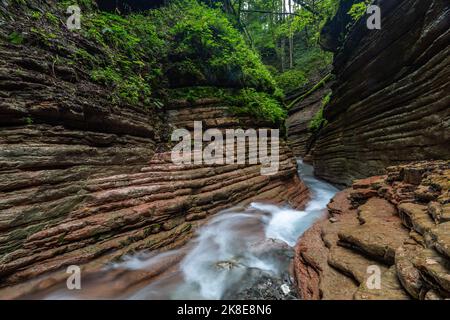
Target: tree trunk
291 40
283 42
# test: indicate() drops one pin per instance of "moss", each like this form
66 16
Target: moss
16 38
44 35
36 15
316 87
210 48
248 102
195 93
29 120
154 228
61 239
131 46
51 18
260 105
84 57
318 121
291 80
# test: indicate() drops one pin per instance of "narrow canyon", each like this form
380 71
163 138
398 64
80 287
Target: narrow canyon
87 177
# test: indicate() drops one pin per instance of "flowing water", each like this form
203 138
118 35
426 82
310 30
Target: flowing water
236 251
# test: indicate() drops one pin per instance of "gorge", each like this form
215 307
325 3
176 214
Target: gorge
87 176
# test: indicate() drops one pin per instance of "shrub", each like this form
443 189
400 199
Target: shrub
16 38
358 10
260 105
132 47
291 80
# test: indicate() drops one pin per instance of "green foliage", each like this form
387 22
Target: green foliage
280 37
140 56
242 102
196 93
308 63
51 18
208 49
317 86
36 15
260 105
184 41
16 38
291 80
326 100
132 47
29 120
43 34
313 59
85 57
318 121
358 10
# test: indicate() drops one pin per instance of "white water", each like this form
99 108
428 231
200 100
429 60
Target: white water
229 248
224 249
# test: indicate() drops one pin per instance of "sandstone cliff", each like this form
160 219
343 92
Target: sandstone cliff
390 101
304 106
398 224
84 181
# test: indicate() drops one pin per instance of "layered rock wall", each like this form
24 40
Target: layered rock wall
84 181
390 101
300 138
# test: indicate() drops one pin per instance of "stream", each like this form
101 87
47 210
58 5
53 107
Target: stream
241 253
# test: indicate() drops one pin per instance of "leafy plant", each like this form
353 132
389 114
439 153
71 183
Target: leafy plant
51 18
358 10
36 15
291 80
16 38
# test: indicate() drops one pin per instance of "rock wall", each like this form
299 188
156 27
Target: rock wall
84 181
300 138
390 102
397 224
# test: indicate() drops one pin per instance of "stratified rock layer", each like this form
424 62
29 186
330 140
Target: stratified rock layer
385 226
72 196
390 102
300 137
84 181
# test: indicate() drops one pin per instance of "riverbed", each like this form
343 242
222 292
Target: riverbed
241 253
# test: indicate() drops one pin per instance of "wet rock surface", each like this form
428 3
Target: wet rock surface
265 287
391 230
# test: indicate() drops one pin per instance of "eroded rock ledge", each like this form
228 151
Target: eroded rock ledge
399 222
